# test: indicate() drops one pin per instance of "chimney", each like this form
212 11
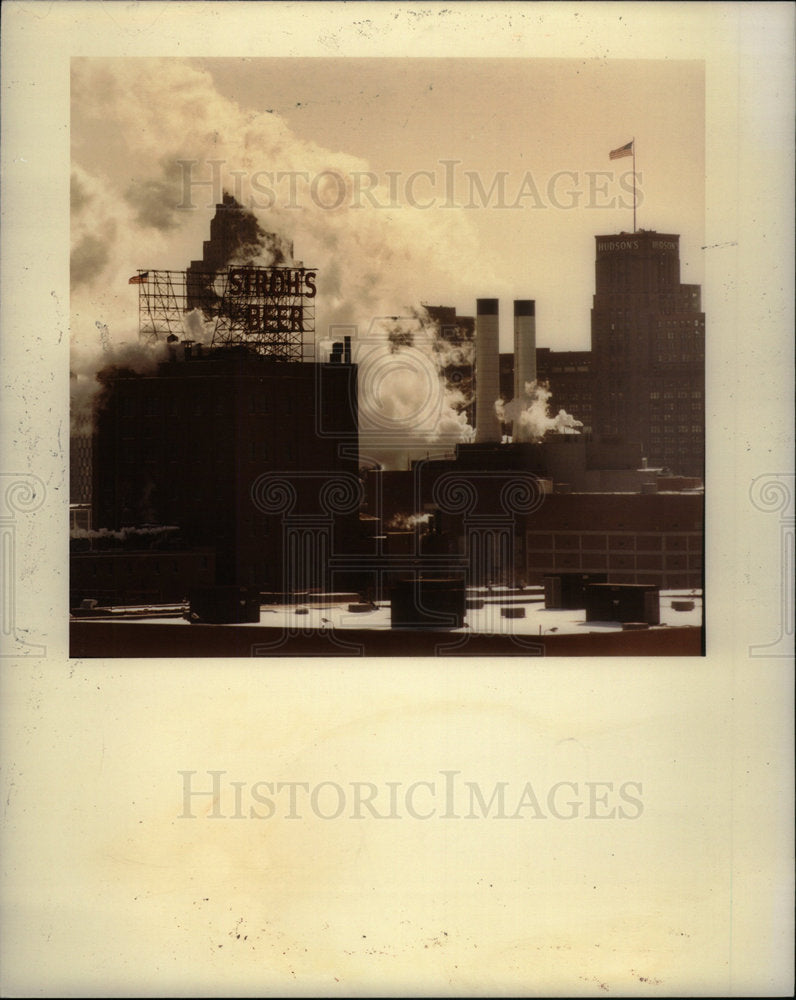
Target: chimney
347 350
524 358
524 345
487 371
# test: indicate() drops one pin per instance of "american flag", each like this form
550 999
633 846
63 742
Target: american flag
626 150
138 279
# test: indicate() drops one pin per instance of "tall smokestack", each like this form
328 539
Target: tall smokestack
487 370
524 345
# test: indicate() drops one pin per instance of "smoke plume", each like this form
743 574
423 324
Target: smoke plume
531 414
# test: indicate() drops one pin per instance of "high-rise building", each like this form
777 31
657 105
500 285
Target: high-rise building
235 236
648 350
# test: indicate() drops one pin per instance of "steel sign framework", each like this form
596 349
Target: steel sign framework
269 310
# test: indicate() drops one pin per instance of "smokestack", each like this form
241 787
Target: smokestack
347 350
487 371
524 345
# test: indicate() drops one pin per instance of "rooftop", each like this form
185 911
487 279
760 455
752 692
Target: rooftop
336 614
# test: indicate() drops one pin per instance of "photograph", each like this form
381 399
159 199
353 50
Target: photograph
396 499
387 357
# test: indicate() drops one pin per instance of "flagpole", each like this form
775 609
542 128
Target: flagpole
634 184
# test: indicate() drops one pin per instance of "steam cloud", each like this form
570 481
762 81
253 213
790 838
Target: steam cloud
135 120
531 414
405 391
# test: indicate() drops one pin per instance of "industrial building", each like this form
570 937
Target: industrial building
194 443
250 450
503 508
135 568
237 457
635 538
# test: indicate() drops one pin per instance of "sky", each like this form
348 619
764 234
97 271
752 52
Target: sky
405 182
541 128
555 119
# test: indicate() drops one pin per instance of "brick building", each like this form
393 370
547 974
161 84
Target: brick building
634 538
495 507
254 458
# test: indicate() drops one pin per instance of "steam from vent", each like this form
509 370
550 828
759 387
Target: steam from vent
197 328
531 414
407 522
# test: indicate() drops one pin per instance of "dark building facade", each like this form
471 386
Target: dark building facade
80 468
634 538
494 506
138 577
254 458
648 350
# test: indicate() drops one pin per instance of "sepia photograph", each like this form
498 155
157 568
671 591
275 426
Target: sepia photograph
387 357
396 499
